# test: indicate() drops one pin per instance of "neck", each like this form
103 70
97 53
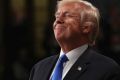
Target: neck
68 46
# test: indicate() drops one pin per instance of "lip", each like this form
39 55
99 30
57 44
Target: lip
58 26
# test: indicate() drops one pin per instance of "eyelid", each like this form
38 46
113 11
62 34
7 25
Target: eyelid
70 15
65 14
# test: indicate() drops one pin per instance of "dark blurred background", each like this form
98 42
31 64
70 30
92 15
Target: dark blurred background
26 34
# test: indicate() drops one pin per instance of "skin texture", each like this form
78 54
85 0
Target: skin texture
68 29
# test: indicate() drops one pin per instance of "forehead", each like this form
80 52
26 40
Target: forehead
72 7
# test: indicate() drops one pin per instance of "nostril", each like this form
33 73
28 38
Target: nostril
60 21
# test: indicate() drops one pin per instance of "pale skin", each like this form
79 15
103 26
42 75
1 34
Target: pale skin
69 31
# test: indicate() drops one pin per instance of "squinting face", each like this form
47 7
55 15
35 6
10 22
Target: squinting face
67 23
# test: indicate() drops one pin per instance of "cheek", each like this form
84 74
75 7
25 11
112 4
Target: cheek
74 24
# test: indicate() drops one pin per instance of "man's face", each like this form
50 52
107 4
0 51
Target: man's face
67 23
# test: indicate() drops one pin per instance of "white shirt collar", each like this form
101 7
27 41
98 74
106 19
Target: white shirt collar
75 53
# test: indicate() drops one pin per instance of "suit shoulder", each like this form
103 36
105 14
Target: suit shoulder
46 61
97 57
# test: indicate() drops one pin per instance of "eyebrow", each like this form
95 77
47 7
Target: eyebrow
72 12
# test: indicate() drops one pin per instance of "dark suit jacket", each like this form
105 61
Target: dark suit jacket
94 67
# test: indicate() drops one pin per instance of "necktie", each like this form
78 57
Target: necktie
57 74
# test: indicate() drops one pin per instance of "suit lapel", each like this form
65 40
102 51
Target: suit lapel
79 67
50 67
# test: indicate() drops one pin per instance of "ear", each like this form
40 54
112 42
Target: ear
87 27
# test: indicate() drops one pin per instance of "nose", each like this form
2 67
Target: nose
57 21
60 19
